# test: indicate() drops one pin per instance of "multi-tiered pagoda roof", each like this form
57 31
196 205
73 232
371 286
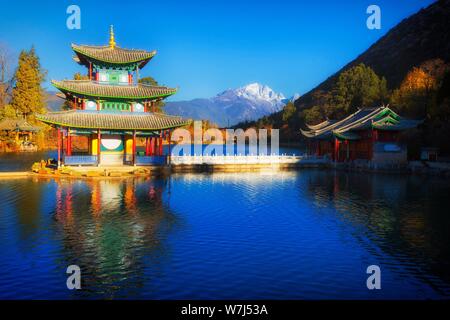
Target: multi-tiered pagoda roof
94 89
111 54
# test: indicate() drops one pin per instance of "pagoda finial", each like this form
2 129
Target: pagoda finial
112 42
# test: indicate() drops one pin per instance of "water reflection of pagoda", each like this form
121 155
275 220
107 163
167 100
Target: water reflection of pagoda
112 109
111 229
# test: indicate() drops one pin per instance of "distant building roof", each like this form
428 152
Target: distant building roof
97 90
381 118
118 120
17 125
112 55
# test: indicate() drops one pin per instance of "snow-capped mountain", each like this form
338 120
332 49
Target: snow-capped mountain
232 106
256 91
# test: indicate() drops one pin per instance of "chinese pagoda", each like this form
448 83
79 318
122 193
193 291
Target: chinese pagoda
112 109
370 134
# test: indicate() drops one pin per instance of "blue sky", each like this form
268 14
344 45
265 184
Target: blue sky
205 47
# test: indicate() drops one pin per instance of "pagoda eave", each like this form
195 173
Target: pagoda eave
121 121
95 90
115 57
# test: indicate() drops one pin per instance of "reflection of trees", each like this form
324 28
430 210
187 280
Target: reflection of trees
111 229
25 199
405 215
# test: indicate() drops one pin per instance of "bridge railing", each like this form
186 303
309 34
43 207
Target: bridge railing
235 159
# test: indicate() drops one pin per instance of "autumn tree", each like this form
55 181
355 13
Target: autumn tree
424 94
28 96
416 95
79 76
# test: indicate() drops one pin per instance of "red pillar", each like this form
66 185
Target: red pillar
69 143
90 70
336 150
155 146
99 137
161 144
134 147
374 139
146 146
59 146
169 135
152 146
66 144
98 105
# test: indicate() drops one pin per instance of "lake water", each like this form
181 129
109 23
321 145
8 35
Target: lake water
308 234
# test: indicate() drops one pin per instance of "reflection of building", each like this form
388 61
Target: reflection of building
20 133
112 109
368 134
111 228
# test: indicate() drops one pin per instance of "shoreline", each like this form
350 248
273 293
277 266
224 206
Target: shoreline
115 173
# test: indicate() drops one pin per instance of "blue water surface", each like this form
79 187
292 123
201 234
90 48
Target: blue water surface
307 234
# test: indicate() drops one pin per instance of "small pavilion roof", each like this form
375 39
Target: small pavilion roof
97 90
17 125
381 118
112 120
112 55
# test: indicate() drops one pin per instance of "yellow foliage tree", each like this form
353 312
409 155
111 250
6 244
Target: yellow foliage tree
417 80
28 95
414 95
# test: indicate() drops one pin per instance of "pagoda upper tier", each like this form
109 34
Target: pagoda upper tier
113 78
111 56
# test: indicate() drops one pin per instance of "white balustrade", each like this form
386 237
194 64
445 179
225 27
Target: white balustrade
237 159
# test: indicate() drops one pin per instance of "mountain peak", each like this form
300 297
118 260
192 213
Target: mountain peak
232 106
257 91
